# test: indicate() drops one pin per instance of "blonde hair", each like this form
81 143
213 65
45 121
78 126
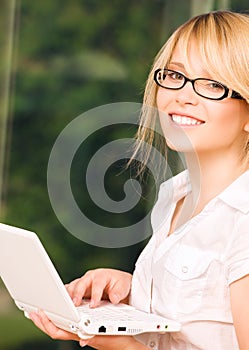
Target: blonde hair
222 38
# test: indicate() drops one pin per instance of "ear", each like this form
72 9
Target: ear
246 127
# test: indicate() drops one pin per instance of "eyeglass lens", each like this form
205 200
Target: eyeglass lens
170 79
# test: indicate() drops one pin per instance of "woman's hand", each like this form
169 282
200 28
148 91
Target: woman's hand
45 325
113 343
100 284
97 342
96 284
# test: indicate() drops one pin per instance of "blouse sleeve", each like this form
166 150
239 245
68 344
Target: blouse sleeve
237 257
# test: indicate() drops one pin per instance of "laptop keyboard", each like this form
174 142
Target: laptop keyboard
106 310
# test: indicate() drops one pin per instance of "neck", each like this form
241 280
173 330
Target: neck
211 174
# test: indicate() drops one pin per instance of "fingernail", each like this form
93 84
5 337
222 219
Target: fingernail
115 299
83 343
75 300
92 303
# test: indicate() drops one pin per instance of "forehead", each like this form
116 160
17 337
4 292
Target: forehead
188 60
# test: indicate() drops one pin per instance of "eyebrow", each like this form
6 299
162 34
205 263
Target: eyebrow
178 64
181 65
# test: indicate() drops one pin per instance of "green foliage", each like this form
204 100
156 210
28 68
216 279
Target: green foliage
71 56
16 330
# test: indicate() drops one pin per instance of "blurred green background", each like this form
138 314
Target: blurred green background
60 58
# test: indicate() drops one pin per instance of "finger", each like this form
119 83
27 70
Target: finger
91 285
111 342
119 290
70 287
114 297
53 331
83 342
81 289
37 321
98 288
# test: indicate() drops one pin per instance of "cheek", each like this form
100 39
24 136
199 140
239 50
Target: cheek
231 120
162 99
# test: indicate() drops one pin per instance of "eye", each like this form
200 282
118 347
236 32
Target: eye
211 85
215 86
176 76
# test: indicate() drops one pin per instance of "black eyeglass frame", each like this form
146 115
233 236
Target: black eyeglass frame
234 94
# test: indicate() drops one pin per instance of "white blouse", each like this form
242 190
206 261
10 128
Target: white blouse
186 275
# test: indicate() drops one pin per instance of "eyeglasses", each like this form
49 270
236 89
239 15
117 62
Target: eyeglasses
210 89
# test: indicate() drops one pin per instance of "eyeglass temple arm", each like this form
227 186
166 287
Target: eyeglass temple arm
236 95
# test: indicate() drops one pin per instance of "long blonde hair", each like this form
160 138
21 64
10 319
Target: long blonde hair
222 38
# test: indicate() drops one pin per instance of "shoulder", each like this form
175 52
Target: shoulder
237 254
237 194
169 193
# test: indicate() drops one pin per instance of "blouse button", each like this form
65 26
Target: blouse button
152 344
184 269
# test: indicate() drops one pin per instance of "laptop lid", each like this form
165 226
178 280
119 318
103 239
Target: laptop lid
30 276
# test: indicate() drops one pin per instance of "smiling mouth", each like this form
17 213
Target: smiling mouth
185 121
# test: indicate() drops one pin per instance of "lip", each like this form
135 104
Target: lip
185 120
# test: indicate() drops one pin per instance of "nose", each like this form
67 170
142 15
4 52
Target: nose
187 95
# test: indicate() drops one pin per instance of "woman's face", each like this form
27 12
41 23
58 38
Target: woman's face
192 123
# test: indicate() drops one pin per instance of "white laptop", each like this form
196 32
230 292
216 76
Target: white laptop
34 284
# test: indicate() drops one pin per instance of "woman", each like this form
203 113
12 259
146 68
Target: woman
195 269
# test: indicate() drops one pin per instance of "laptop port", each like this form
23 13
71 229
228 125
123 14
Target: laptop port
102 329
121 329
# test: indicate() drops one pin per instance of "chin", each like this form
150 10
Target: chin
180 142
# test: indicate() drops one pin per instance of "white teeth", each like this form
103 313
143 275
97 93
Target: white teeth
185 120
